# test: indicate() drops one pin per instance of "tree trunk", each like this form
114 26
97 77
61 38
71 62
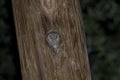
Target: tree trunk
51 40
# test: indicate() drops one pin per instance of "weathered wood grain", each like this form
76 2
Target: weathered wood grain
34 20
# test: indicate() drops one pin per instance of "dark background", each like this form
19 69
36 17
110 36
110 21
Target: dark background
102 26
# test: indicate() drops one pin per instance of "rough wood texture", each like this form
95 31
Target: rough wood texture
34 19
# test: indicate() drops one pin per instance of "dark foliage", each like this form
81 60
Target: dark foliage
9 59
102 24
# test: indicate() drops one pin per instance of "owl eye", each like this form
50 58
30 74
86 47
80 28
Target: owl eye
53 39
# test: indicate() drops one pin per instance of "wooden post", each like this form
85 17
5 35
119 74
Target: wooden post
50 40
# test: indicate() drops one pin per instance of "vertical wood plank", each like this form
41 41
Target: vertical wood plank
35 19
